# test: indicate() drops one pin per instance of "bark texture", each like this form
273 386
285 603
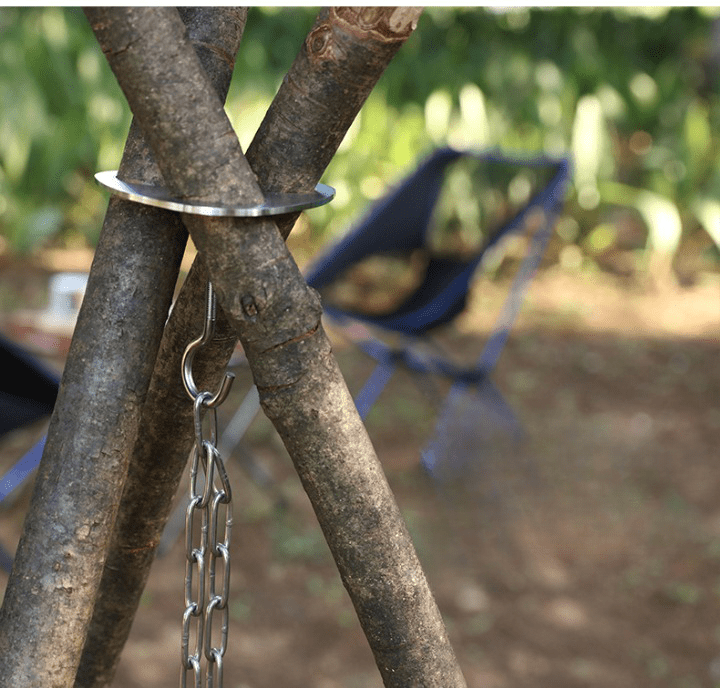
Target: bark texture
215 34
165 436
341 60
277 317
51 591
50 595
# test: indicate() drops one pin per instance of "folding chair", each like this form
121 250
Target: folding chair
401 223
28 390
27 394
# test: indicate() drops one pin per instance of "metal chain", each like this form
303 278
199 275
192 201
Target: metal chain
208 522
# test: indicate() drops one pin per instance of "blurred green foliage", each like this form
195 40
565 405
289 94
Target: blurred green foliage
632 94
63 117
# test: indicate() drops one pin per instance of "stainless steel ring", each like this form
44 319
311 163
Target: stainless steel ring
275 203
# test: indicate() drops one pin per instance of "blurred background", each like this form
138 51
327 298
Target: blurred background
631 93
586 555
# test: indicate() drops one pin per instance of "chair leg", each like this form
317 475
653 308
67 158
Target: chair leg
19 473
6 560
373 387
240 422
478 416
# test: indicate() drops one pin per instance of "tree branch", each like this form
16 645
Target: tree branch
50 595
330 79
215 34
301 388
166 424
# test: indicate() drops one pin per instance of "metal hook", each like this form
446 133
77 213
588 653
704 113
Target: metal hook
191 350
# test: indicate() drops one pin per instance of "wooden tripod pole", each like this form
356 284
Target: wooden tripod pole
51 592
215 33
277 318
282 161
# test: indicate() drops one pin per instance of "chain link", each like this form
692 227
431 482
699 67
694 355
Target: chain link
208 522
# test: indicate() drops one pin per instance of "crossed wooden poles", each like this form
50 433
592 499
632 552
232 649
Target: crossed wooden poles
122 429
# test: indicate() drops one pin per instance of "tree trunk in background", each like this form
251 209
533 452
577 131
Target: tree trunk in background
277 317
215 34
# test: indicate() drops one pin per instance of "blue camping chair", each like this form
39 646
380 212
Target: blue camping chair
401 222
26 396
29 393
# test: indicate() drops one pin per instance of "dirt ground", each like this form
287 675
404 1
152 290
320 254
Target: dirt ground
585 554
